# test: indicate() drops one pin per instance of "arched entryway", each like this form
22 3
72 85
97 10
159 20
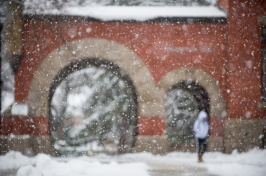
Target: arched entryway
78 50
92 108
183 102
217 105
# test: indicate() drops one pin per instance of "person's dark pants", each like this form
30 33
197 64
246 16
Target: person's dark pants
201 146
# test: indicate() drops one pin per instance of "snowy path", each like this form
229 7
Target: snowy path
140 164
177 169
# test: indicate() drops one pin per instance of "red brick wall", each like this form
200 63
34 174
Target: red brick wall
224 4
21 125
244 56
157 45
163 47
148 40
152 126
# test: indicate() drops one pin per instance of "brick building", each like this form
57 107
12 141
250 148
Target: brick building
220 61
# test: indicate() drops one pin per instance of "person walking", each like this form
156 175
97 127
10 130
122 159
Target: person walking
201 130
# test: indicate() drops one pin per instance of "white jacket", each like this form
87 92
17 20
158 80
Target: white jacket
201 128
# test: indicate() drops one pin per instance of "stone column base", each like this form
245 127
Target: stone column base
215 144
243 134
153 144
159 145
28 145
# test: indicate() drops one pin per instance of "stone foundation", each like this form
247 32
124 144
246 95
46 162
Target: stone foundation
243 135
27 145
154 144
183 147
42 144
159 145
239 134
215 144
3 145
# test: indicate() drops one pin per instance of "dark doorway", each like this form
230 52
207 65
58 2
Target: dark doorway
93 109
184 101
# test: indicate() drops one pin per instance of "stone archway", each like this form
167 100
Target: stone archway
89 48
183 102
107 50
106 122
217 103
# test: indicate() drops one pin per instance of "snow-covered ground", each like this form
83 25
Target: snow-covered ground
137 164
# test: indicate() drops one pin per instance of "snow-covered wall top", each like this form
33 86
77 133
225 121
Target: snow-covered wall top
138 13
